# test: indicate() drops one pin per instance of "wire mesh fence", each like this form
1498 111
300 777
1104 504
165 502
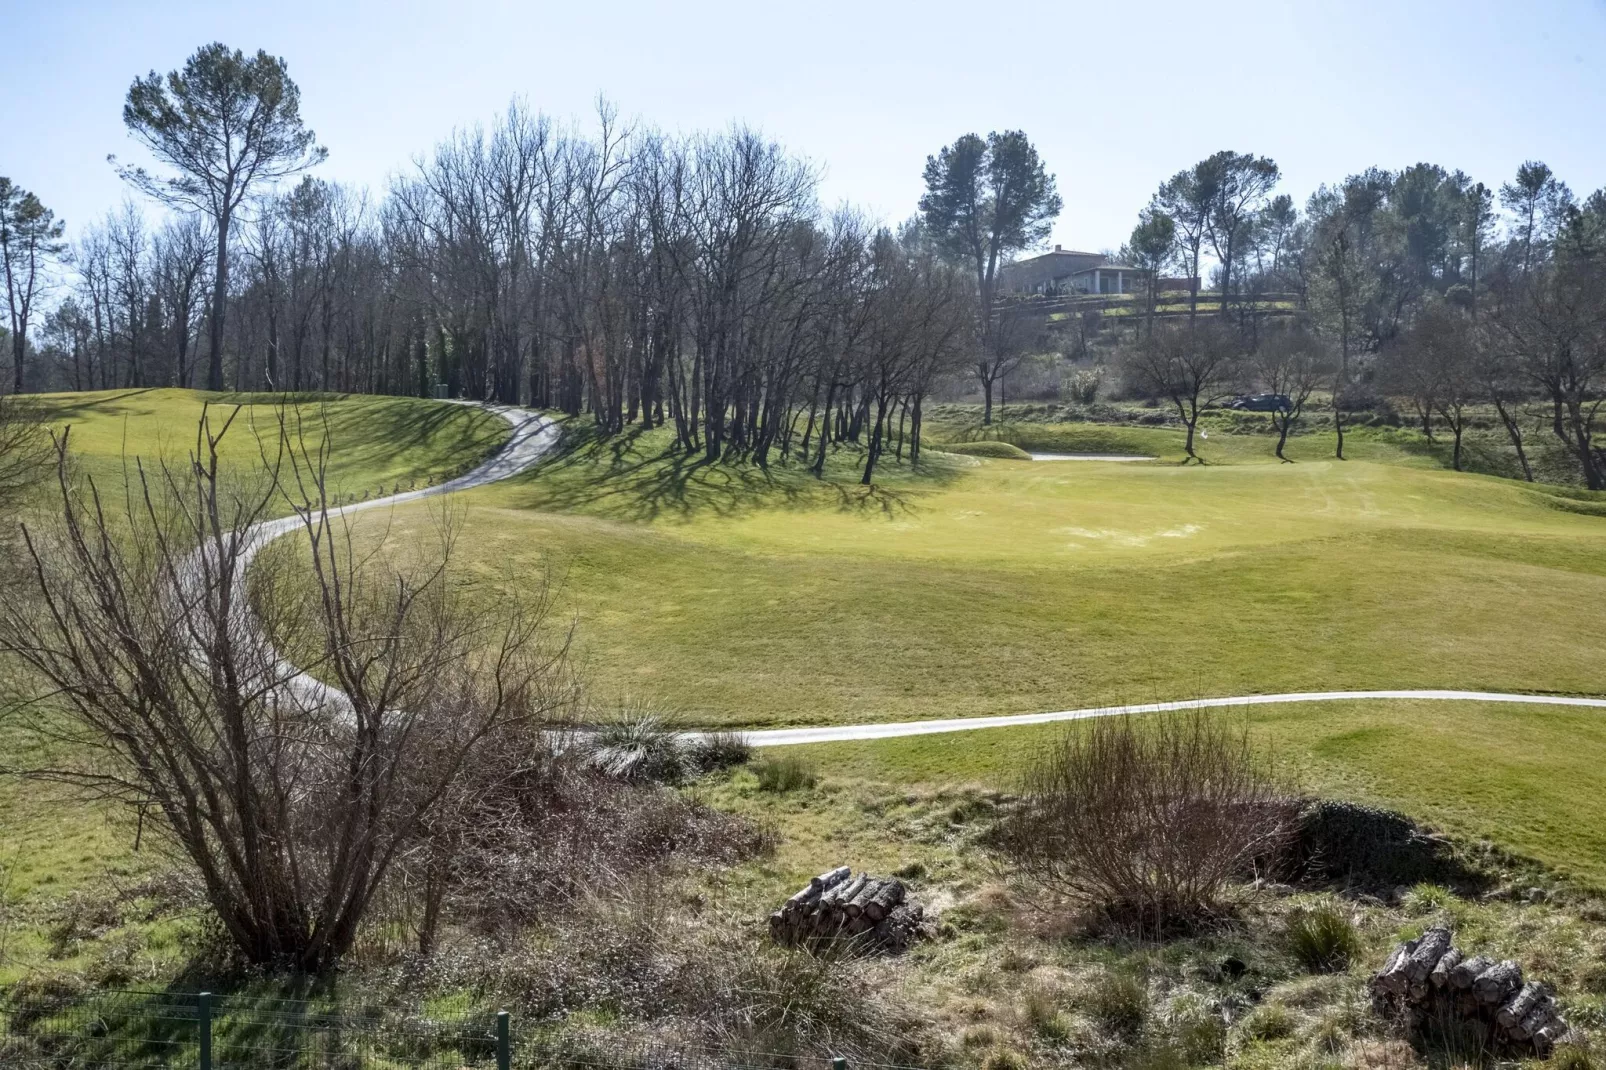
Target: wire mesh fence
135 1030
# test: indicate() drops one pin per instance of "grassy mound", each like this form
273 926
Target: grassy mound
380 444
753 598
1527 777
1000 450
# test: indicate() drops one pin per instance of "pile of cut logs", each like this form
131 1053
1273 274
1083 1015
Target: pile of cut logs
873 911
1429 978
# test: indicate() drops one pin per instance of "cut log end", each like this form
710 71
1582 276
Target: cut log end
874 912
1429 978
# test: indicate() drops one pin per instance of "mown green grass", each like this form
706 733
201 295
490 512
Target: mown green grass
987 587
380 444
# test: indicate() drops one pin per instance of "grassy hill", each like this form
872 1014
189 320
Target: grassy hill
1526 777
968 586
972 586
977 586
993 586
380 442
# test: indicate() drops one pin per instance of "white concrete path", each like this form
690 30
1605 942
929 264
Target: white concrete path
533 435
1088 457
786 737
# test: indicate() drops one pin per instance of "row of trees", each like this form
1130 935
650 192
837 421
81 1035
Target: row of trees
1399 282
692 282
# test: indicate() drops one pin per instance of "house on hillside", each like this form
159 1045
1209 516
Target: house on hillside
1065 271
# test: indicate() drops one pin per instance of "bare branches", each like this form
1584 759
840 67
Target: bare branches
292 805
1189 366
1288 365
1149 819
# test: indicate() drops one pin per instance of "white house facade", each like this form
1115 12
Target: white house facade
1067 271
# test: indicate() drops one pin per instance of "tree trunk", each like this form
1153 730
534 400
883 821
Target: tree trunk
1514 432
220 293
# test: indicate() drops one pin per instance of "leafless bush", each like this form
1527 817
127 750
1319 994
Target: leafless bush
293 803
1146 820
531 832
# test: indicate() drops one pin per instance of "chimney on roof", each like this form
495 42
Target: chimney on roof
1056 248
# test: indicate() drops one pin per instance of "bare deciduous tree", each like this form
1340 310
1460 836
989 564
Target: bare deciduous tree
160 657
1189 366
1553 330
1288 364
1435 363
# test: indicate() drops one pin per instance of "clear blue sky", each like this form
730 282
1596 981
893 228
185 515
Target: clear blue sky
1116 96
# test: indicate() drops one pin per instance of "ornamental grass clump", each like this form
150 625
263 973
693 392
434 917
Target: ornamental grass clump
1323 940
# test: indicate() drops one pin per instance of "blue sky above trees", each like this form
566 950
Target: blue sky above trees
1115 101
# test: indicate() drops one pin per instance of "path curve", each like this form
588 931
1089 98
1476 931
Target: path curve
534 435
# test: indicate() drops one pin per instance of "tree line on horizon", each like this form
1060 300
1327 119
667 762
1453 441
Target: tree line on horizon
1402 283
697 283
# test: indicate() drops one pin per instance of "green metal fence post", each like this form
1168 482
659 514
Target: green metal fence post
205 1008
504 1045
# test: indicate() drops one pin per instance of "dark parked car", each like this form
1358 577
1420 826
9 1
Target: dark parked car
1261 403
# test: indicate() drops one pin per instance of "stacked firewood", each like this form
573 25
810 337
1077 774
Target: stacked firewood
1430 979
873 912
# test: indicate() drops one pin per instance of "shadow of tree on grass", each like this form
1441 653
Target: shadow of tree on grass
635 476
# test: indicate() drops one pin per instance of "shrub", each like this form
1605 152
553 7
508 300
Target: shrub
1082 385
1147 821
712 751
1371 847
24 451
979 1036
998 450
1269 1021
1427 898
1004 1059
1041 1011
1197 1033
537 833
639 956
1572 1056
784 774
1323 940
640 746
1119 1002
